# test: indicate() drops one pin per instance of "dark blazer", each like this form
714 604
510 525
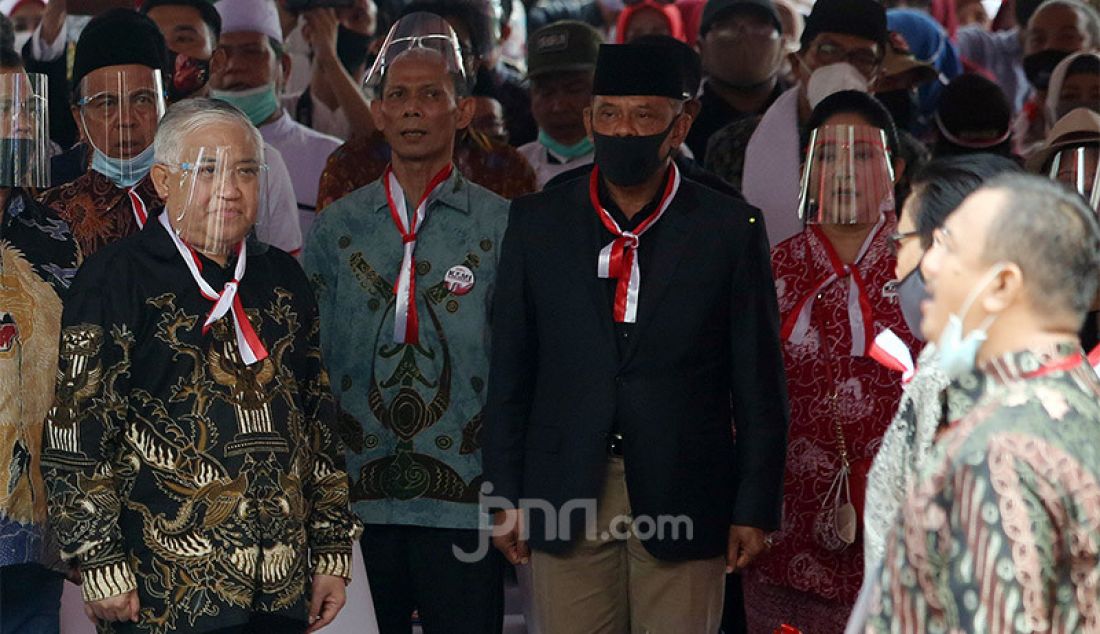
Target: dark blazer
705 352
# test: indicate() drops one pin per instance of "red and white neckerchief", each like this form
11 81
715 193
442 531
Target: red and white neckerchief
860 315
248 342
141 213
889 350
619 259
406 326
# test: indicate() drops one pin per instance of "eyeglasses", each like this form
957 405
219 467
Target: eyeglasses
31 105
865 61
898 237
207 172
105 105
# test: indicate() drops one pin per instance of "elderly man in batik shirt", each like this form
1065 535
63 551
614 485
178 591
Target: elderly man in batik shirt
193 472
1002 531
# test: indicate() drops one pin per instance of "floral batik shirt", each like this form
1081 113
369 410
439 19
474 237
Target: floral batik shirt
1001 532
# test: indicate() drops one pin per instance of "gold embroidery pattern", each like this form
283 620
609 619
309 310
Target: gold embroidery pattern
30 324
232 489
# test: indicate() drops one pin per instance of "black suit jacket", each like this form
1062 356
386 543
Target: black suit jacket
705 352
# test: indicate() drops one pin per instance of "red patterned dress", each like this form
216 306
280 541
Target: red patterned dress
830 313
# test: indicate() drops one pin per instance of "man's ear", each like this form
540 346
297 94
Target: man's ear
680 128
376 113
587 114
285 64
160 174
217 61
464 111
75 110
693 107
799 67
1005 289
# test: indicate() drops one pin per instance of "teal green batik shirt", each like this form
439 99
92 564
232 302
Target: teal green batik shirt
412 413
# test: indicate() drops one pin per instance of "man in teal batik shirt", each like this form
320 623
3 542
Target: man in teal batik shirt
404 271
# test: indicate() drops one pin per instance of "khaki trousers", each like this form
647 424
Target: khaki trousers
612 585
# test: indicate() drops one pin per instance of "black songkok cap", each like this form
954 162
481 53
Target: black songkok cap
636 69
860 18
117 37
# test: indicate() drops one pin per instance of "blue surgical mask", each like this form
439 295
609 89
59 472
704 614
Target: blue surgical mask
567 152
123 173
911 292
258 104
957 353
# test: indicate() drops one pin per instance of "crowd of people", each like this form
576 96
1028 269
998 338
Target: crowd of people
683 316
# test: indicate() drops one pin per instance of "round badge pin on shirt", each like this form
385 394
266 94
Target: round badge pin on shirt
459 279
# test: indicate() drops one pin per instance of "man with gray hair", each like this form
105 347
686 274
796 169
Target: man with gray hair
1002 533
192 469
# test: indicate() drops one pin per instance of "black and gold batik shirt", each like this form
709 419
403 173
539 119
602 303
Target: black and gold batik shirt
213 487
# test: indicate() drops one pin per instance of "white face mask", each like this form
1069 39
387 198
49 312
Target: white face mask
957 354
831 79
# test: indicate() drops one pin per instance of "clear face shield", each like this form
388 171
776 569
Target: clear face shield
24 131
847 178
119 112
1079 169
215 195
418 31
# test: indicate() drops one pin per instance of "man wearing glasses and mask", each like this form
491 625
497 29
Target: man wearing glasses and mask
634 325
117 101
112 199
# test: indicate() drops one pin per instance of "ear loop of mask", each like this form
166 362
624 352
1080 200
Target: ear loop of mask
972 297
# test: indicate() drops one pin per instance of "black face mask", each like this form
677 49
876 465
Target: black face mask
351 48
15 156
903 106
629 160
1040 66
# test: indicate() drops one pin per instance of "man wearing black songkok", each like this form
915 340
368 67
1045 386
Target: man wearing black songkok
121 53
635 317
